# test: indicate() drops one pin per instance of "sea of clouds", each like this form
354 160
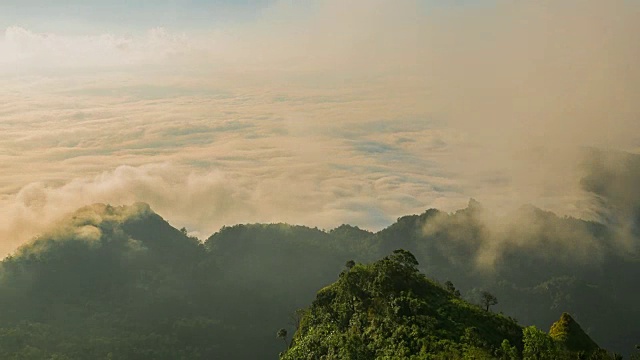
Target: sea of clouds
341 112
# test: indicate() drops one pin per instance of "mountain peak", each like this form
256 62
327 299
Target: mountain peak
110 212
474 204
568 332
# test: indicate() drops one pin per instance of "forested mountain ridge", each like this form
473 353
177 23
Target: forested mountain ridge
121 283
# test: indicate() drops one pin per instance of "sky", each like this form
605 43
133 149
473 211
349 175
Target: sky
317 112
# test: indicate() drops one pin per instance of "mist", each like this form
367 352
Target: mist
323 113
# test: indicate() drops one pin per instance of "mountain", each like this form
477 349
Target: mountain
122 283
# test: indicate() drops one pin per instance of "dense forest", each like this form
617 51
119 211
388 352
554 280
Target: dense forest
121 283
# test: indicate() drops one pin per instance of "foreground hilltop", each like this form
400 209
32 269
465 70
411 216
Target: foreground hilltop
388 310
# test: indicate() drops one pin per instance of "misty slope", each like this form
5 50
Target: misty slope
110 282
120 282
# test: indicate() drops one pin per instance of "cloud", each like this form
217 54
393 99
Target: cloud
27 50
478 237
319 113
36 206
612 178
203 201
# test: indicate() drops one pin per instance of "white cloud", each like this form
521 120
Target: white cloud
203 201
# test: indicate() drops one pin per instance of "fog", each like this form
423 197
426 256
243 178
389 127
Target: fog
324 113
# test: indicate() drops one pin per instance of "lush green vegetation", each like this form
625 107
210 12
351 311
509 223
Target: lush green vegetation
388 310
121 283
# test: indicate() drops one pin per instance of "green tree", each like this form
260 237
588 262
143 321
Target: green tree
538 345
